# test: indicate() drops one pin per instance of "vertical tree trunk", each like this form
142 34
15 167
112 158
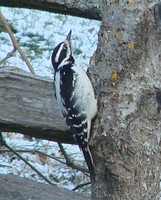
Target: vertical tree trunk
126 66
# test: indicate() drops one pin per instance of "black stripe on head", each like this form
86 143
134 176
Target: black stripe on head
55 62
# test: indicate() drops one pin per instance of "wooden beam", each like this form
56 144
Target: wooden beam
14 187
28 106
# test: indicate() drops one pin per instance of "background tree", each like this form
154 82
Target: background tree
126 133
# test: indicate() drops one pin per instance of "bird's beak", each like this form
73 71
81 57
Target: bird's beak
69 35
67 40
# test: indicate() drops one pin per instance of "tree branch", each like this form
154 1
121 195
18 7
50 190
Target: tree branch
15 43
69 163
10 54
73 166
24 160
33 151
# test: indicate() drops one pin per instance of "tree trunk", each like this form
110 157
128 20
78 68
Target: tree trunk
127 133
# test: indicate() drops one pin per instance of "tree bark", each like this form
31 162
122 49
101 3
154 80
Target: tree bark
87 9
127 133
28 106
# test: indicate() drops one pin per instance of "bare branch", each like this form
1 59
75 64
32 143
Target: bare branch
73 166
33 151
31 166
15 43
69 162
10 54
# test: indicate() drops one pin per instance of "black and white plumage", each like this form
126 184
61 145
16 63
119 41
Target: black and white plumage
75 96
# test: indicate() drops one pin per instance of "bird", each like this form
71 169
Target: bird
75 96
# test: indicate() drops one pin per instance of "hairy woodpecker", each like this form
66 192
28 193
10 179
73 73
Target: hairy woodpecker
75 96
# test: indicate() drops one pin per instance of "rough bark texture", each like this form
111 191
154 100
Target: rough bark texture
87 9
15 188
28 106
126 66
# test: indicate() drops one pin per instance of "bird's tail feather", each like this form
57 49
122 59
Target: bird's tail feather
89 161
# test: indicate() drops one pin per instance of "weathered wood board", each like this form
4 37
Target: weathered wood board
28 106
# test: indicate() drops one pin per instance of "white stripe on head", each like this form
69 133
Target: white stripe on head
58 53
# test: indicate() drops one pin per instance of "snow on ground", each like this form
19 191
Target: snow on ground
38 33
55 171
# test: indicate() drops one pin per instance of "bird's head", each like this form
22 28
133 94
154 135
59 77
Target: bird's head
62 54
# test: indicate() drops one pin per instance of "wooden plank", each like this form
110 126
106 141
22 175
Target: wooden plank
28 106
14 187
